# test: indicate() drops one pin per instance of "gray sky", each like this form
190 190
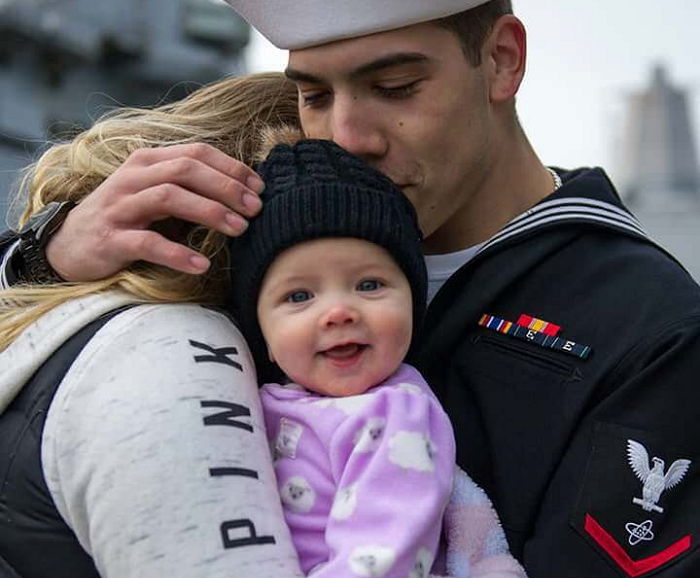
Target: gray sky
584 56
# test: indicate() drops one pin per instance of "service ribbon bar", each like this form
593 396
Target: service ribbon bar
533 336
538 325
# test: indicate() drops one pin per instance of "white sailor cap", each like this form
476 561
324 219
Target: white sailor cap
302 23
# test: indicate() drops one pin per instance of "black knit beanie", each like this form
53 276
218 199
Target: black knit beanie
316 189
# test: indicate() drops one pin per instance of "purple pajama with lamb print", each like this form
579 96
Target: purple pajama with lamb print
364 479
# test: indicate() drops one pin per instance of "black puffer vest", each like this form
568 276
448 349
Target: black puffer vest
35 542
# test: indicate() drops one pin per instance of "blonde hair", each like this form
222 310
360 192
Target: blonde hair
233 115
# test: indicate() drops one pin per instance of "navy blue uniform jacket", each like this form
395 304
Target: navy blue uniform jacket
554 438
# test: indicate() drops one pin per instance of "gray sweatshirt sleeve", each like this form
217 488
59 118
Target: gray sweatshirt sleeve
154 451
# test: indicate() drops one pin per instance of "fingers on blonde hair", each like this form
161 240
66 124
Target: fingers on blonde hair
235 115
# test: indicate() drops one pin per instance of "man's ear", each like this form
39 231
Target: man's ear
504 57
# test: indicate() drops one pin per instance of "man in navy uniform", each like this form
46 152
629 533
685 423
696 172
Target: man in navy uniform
563 342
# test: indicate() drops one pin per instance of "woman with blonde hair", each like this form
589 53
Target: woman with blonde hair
131 437
132 441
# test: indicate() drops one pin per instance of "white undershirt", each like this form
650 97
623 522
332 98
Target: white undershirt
441 267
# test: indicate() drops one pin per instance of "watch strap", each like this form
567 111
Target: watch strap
30 261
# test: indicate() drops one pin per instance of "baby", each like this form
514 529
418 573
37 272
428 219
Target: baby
330 285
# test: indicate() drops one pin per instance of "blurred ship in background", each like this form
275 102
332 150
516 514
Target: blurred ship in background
65 62
657 171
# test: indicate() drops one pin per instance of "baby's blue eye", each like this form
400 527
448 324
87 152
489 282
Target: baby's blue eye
298 296
369 285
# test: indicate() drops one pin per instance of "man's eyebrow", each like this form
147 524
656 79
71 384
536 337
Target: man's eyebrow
389 61
299 76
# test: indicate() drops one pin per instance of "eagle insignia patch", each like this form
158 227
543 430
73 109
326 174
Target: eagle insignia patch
638 514
654 479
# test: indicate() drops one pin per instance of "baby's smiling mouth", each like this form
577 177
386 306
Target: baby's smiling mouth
345 351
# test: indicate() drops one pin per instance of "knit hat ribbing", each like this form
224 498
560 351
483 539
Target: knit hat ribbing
315 189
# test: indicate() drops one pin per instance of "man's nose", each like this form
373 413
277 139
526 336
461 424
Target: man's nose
355 127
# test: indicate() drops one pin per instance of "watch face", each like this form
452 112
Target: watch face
38 222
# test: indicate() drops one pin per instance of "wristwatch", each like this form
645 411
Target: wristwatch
34 235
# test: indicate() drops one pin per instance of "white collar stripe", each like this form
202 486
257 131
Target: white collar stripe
572 216
579 201
578 209
575 201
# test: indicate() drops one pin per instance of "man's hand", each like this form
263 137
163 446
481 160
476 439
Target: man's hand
109 229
